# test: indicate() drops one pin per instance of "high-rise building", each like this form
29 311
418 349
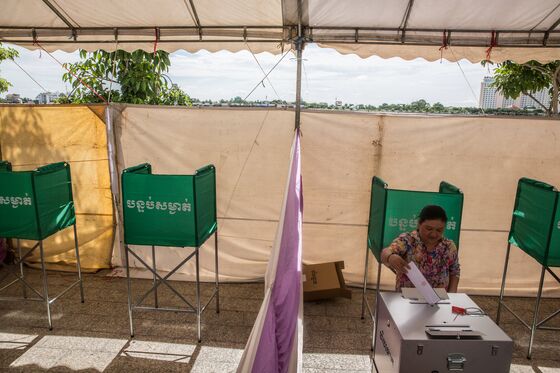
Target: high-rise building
487 94
491 98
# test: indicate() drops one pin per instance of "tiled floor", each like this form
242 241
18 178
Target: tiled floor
94 336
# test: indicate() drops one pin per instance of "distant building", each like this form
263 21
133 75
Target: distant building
47 97
491 98
13 98
487 94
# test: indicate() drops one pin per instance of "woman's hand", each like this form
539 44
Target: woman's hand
398 264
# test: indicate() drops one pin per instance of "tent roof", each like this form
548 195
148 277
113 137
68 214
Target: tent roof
516 29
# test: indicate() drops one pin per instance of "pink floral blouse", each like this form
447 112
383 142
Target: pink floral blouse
436 265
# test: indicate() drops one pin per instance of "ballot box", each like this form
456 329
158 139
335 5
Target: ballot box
413 336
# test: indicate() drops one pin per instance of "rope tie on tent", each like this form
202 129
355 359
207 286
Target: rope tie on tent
36 42
156 41
493 43
444 44
34 35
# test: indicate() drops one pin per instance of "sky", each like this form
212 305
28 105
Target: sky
327 76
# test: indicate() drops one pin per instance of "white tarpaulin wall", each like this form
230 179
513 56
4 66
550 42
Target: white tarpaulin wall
515 29
340 153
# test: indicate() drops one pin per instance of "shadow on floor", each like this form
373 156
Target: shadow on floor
95 336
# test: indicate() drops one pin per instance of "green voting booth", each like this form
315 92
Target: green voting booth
394 211
535 229
169 211
33 206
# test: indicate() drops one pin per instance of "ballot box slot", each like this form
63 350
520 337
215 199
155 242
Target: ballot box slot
452 332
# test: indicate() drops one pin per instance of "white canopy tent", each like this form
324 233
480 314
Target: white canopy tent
515 29
476 30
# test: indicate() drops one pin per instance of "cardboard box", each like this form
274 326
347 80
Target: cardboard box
323 281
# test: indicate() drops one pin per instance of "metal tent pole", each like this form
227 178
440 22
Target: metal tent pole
299 44
114 179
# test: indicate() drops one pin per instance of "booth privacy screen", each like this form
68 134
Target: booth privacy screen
168 210
394 211
35 204
535 226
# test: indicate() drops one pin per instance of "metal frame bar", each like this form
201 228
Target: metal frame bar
44 296
111 30
197 309
20 263
163 280
195 14
59 15
554 25
405 19
394 36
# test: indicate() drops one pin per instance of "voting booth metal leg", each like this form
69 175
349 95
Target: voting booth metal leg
78 265
196 308
21 273
500 301
129 290
364 299
376 315
217 284
154 277
535 323
41 296
19 277
536 314
45 284
552 315
197 295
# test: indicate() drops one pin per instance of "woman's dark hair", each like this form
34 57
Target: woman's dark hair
432 212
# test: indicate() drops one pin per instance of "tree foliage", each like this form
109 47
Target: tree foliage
137 77
514 79
6 53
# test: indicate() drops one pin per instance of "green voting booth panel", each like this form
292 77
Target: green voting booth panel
394 211
535 226
168 210
35 204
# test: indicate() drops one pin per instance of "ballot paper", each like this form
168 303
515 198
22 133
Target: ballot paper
420 282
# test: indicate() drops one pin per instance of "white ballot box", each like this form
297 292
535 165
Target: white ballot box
413 336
